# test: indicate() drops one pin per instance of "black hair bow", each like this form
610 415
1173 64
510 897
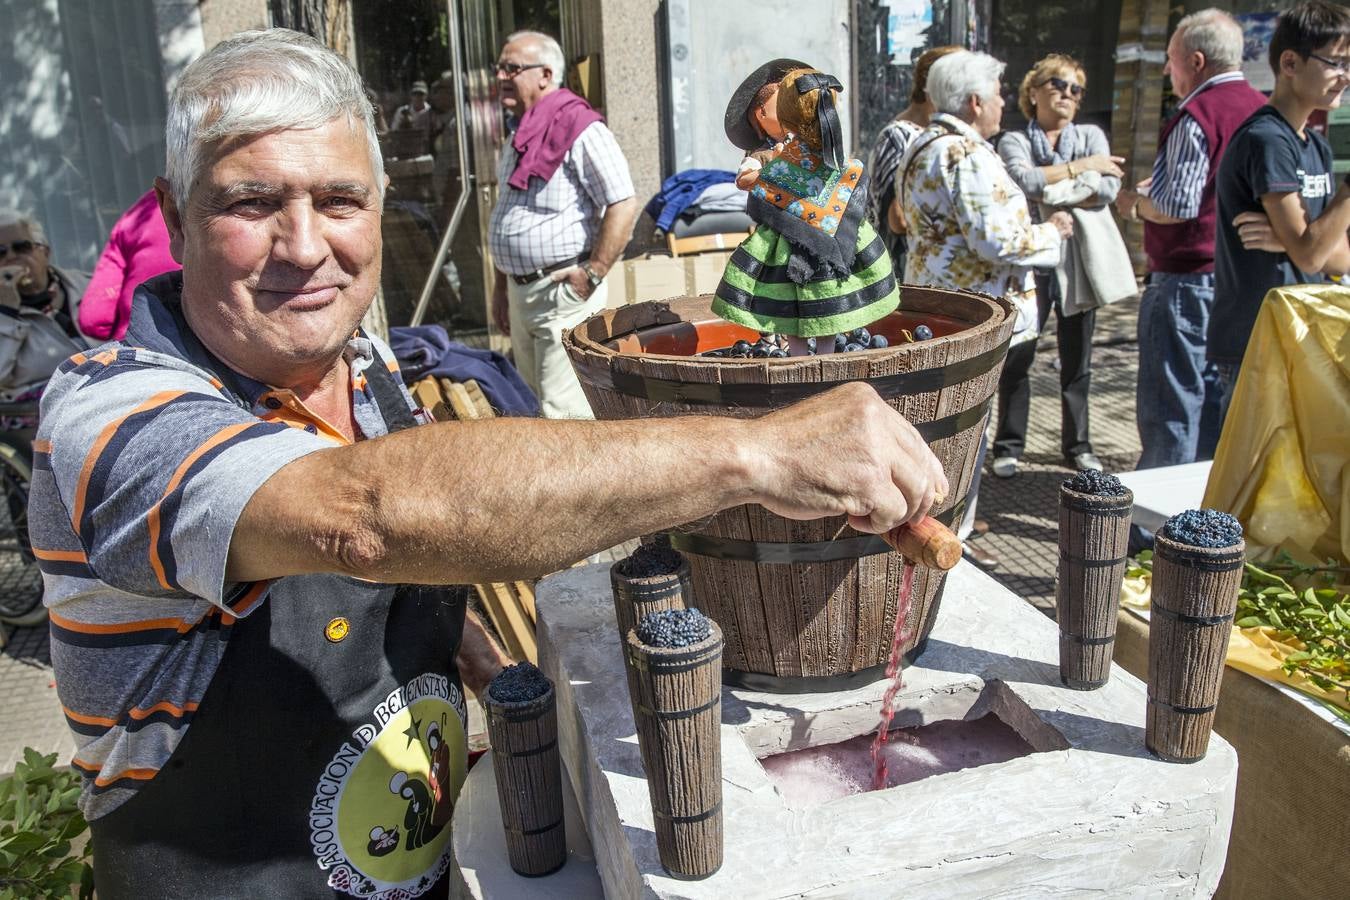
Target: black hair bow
831 131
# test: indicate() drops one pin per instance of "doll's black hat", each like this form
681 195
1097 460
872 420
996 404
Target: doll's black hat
738 128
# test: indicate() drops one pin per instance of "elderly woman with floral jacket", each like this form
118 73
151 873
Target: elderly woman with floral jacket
967 220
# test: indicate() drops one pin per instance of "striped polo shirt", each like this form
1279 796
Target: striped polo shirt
143 462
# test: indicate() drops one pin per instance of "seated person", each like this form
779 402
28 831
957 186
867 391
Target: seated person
38 304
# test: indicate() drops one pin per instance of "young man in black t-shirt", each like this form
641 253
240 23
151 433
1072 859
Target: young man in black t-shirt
1281 219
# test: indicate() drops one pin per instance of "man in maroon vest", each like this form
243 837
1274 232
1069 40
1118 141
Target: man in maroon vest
1178 391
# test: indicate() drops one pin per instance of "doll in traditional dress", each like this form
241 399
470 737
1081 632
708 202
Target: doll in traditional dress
814 267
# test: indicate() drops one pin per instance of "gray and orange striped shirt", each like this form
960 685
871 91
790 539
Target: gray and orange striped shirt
143 462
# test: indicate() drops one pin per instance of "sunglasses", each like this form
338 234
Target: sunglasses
18 247
1073 90
511 70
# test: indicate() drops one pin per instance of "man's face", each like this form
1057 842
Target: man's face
1317 82
1183 66
20 250
419 100
988 113
530 81
280 248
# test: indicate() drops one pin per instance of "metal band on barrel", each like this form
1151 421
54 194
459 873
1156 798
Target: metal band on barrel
1091 563
675 714
1087 641
689 820
516 754
764 683
1185 710
763 396
788 552
1192 620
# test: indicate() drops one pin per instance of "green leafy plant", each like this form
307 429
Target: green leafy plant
39 823
1307 604
1302 603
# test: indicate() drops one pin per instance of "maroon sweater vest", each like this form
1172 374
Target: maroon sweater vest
1189 246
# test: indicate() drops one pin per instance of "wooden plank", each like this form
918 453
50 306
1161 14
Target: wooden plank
460 401
525 591
427 393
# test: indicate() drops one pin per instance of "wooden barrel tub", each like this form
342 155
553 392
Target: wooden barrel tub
800 610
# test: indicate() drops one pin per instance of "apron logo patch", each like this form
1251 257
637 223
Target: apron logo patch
337 629
380 816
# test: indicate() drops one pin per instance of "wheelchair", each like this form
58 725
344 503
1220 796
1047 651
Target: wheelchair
20 579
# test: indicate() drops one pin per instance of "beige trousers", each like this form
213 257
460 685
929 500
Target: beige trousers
540 312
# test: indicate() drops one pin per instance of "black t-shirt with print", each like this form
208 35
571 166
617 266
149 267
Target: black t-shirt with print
1265 156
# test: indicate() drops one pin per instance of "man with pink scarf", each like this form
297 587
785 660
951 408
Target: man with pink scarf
564 213
137 250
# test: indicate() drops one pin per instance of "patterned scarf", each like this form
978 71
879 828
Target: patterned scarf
1070 145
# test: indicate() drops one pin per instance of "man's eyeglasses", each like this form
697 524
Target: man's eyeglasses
511 70
1073 90
19 248
1337 66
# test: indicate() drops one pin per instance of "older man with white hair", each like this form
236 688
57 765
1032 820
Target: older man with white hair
565 211
243 535
967 220
39 305
1178 392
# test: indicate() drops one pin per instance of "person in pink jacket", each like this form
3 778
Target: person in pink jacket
138 249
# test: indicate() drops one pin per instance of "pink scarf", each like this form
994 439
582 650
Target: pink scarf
546 132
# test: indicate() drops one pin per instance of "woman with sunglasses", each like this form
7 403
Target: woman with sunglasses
1063 166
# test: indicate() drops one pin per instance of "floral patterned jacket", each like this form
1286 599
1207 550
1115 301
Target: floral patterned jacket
967 220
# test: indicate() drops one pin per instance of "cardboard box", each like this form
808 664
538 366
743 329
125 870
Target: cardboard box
660 277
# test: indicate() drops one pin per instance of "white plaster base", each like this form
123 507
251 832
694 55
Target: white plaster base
1092 813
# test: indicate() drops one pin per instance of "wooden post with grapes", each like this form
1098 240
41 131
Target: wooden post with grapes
1195 592
676 694
640 589
523 727
1094 535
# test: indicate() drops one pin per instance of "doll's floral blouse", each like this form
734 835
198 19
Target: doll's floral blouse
967 221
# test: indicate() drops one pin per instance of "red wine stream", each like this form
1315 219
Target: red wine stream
893 667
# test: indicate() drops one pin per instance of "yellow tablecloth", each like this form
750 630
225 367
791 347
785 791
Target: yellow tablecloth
1283 463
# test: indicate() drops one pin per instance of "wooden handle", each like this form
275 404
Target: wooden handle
926 542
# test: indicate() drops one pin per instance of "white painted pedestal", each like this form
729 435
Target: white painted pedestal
1090 813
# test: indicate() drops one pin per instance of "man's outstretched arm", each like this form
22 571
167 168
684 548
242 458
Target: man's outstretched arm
466 502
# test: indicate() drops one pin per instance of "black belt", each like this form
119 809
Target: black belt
531 277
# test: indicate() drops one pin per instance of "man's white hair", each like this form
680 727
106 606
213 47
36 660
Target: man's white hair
10 217
256 82
1217 35
960 75
547 51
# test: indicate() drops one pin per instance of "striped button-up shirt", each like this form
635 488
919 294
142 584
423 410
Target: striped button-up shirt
1182 166
142 465
550 222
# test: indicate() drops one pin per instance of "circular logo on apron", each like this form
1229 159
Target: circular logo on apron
380 817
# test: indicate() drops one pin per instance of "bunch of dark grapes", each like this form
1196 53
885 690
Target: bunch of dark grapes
674 628
769 346
1098 484
519 683
859 339
650 559
1204 528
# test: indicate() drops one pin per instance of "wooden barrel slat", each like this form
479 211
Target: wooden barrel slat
678 714
1094 536
525 761
805 620
1186 658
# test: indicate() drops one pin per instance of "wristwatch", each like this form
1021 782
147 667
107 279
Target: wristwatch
594 277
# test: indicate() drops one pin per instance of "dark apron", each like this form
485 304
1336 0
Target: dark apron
325 757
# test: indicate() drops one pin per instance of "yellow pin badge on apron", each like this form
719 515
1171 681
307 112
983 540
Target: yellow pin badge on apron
337 629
